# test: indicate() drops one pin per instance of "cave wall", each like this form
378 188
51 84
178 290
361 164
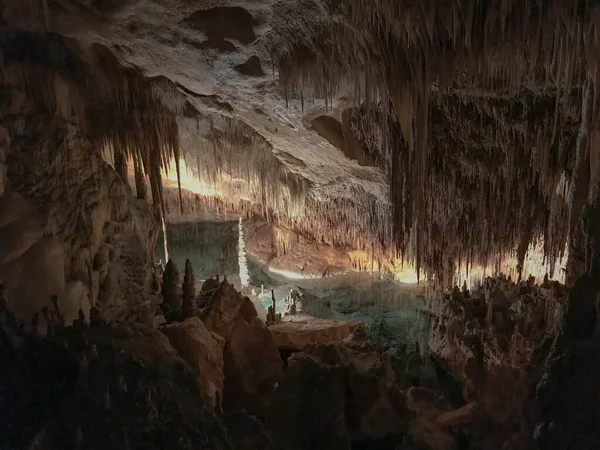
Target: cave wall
69 226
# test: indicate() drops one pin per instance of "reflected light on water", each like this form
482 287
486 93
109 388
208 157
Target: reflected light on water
289 274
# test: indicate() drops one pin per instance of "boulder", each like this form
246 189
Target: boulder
298 333
336 395
203 350
252 364
252 367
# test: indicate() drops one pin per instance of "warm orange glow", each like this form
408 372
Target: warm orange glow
408 275
188 182
363 260
533 266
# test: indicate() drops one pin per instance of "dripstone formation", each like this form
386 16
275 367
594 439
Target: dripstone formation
449 137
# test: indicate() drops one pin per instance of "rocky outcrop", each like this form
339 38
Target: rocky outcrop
488 340
286 251
68 221
203 350
252 361
564 405
101 386
334 396
299 332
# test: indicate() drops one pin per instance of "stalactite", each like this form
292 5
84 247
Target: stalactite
116 107
164 231
469 109
140 182
581 186
472 144
121 165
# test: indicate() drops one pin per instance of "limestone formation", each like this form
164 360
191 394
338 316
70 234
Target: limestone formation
188 298
456 137
121 386
490 340
293 303
252 362
73 228
203 350
301 332
171 304
424 430
273 317
336 395
242 262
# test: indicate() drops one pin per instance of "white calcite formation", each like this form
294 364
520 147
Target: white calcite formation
243 263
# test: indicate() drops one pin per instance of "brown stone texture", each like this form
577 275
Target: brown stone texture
203 350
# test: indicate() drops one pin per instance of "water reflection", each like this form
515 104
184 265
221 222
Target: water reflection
392 312
210 246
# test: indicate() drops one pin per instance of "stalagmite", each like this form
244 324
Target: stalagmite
165 241
242 262
188 297
272 316
171 304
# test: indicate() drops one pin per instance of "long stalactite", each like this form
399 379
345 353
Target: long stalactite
480 137
480 103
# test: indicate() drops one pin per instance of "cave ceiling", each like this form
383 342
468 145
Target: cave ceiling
449 133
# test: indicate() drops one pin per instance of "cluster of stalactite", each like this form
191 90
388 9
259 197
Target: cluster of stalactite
227 153
345 222
221 207
249 180
487 110
116 108
149 124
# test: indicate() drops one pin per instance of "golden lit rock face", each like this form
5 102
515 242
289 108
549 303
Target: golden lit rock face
480 116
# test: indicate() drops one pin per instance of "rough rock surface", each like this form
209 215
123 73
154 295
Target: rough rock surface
490 338
565 407
68 221
298 332
424 431
111 386
285 251
203 350
332 396
252 361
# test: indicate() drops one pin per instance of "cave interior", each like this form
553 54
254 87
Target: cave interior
445 154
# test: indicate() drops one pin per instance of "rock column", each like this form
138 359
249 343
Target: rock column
243 263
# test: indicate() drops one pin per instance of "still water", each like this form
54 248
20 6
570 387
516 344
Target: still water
391 311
